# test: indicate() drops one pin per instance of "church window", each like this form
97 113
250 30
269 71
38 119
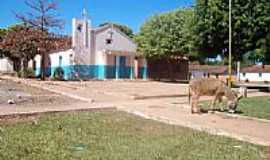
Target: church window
71 59
108 41
60 60
79 27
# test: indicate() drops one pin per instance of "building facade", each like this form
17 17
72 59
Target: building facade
256 73
96 53
209 71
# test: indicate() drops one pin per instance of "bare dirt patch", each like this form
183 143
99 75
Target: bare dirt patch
24 95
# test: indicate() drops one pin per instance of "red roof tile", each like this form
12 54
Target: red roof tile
209 69
256 69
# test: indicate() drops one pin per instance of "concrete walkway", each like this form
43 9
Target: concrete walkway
244 129
169 110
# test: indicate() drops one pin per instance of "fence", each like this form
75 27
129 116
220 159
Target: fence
168 69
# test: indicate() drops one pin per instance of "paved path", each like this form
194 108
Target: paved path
168 110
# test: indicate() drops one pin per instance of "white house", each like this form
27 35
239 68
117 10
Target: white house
97 53
256 73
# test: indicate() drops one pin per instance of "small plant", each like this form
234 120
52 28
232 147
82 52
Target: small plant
26 73
59 74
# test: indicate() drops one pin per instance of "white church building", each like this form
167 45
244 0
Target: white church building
97 53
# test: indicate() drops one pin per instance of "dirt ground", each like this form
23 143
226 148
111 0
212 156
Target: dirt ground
115 91
122 95
24 96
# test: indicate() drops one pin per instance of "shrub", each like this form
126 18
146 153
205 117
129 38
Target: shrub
26 73
58 74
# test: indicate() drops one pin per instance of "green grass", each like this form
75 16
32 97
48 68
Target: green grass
258 107
115 135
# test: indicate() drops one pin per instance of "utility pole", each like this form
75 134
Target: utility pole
230 45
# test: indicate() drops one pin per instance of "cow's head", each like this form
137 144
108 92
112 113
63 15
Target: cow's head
233 102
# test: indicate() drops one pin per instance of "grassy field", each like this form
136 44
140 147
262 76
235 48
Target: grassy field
258 107
114 135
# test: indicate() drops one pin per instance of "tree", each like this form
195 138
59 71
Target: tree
2 34
20 44
43 17
167 34
253 57
250 26
123 28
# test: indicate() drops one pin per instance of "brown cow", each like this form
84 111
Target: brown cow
211 87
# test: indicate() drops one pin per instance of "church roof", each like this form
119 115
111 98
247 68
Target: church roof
107 26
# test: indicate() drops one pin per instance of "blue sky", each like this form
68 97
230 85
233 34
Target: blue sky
130 12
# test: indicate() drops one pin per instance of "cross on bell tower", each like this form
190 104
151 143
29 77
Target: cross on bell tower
85 14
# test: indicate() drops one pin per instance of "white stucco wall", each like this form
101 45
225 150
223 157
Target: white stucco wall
6 65
38 61
120 42
81 41
67 58
255 77
101 58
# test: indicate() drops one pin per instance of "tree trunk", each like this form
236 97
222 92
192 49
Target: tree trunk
23 67
25 64
43 67
16 65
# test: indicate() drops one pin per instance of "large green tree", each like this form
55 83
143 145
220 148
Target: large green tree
123 28
167 34
250 26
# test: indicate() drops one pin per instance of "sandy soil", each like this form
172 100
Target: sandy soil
24 96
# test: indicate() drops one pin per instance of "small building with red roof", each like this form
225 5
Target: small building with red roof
255 73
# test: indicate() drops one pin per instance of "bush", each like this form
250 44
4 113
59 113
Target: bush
58 74
26 73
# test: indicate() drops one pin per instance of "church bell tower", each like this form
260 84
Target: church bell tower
81 38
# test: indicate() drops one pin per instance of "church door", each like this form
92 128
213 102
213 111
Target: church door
122 67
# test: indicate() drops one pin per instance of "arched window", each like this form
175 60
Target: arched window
79 28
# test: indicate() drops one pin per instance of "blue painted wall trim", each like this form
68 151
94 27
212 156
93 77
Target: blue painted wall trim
143 73
100 72
47 72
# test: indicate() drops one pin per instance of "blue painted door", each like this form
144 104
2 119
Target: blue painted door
122 67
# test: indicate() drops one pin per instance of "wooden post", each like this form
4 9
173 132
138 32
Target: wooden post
238 71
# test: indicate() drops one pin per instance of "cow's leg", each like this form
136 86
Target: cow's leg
220 105
194 105
214 103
